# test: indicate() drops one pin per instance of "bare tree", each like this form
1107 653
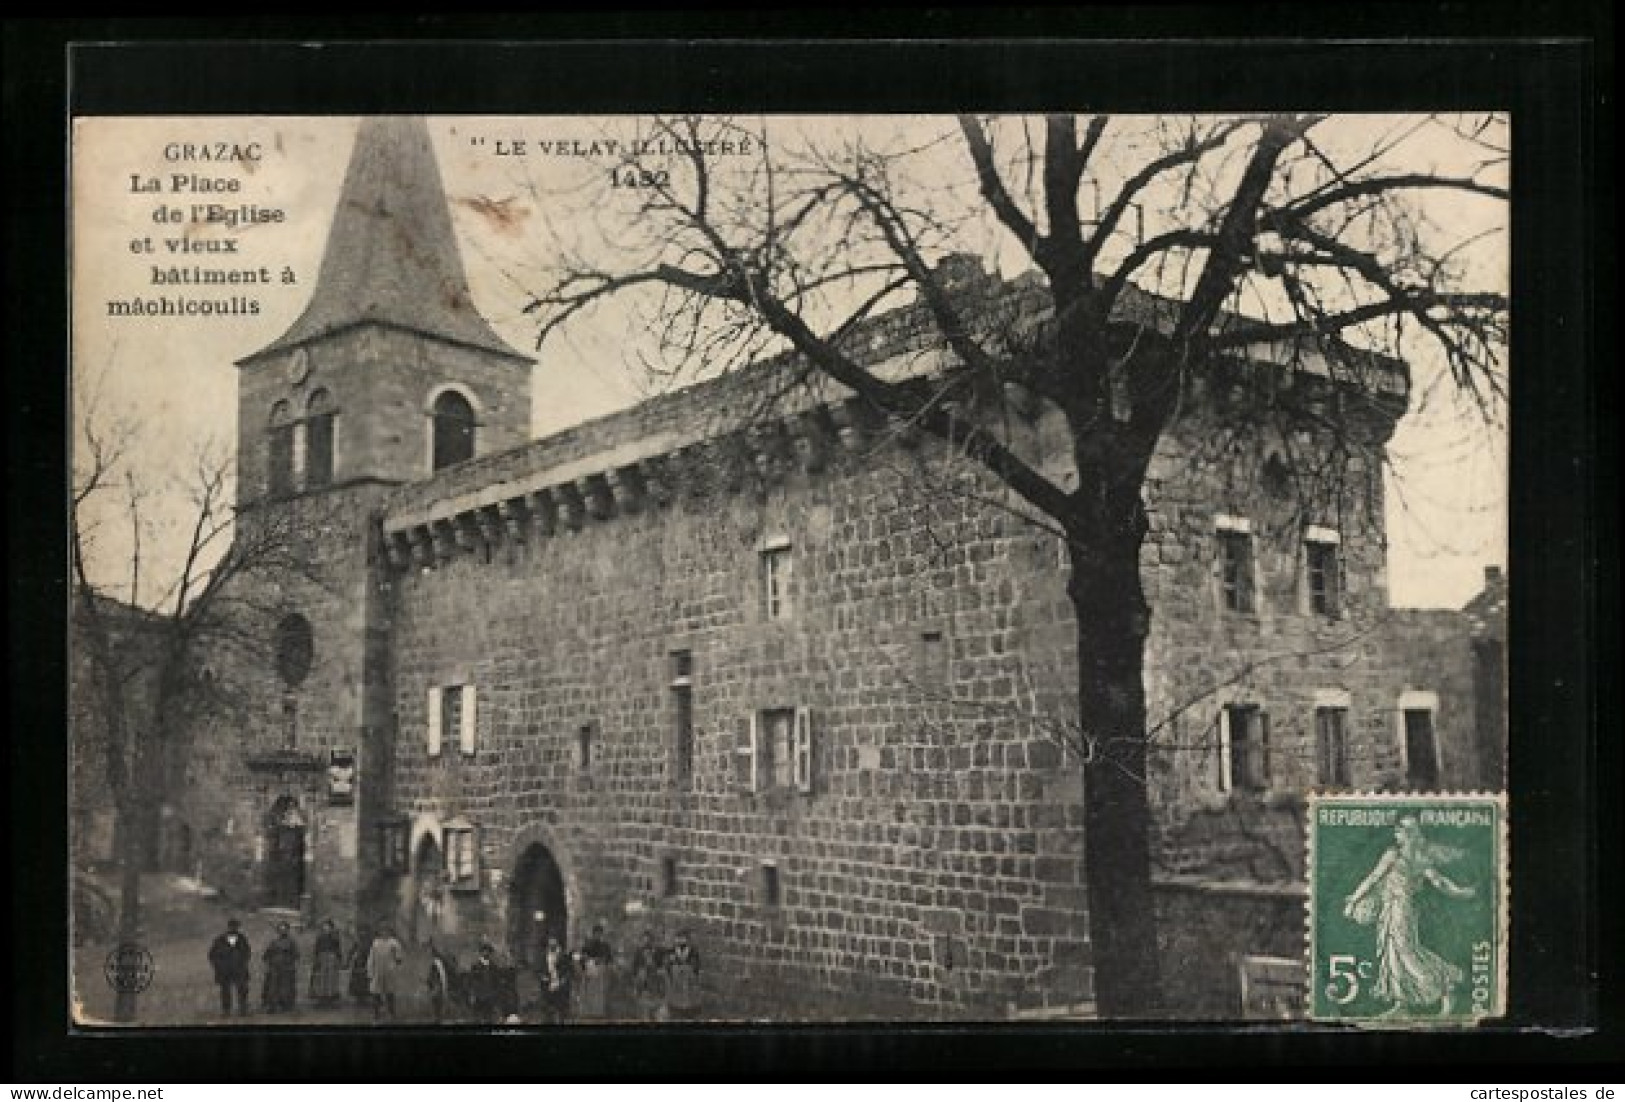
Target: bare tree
1170 251
150 659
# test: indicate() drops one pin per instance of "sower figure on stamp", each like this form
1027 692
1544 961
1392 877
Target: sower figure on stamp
1409 974
231 956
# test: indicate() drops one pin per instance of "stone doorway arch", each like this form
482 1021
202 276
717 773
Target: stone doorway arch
428 890
285 854
543 900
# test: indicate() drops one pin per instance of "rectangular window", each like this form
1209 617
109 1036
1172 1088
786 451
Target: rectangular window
281 458
451 710
1244 748
1331 746
776 581
776 750
668 877
1323 576
1421 749
682 702
319 446
584 748
1236 567
462 855
933 663
772 894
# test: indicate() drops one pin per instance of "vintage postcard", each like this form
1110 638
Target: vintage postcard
912 568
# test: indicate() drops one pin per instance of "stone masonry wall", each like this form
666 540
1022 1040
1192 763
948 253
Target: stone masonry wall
245 757
935 864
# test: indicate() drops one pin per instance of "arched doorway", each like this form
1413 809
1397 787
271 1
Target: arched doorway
285 854
538 907
428 890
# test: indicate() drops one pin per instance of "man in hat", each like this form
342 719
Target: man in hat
482 983
683 978
230 955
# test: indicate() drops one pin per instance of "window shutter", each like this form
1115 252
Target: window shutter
744 756
1224 749
803 750
434 721
465 736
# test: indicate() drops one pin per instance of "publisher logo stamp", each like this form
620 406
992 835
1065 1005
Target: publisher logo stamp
129 968
1407 908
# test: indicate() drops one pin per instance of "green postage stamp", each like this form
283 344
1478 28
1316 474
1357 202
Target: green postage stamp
1407 908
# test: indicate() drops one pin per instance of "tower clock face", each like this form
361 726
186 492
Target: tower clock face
299 366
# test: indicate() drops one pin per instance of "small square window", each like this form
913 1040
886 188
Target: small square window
776 570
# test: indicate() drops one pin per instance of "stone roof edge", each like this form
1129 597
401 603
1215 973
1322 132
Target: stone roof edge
604 461
281 345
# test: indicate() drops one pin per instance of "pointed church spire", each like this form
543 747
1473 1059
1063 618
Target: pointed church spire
392 254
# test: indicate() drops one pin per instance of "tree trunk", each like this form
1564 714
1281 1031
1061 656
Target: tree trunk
132 838
1113 622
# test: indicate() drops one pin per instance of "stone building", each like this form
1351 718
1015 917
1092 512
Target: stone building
796 682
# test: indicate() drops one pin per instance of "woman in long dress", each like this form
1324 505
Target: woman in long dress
327 959
281 970
1409 974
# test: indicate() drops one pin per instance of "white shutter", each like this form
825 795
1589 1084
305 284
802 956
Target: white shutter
753 780
465 736
1224 749
803 750
434 721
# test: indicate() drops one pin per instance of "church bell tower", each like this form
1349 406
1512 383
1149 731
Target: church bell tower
389 375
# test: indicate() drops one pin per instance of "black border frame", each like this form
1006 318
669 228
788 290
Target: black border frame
1565 834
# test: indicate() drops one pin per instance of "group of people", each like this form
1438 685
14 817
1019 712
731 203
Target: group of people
664 980
369 969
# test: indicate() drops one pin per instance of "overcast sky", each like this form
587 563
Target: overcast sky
176 379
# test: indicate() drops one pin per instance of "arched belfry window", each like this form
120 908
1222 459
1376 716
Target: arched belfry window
319 417
453 430
280 451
